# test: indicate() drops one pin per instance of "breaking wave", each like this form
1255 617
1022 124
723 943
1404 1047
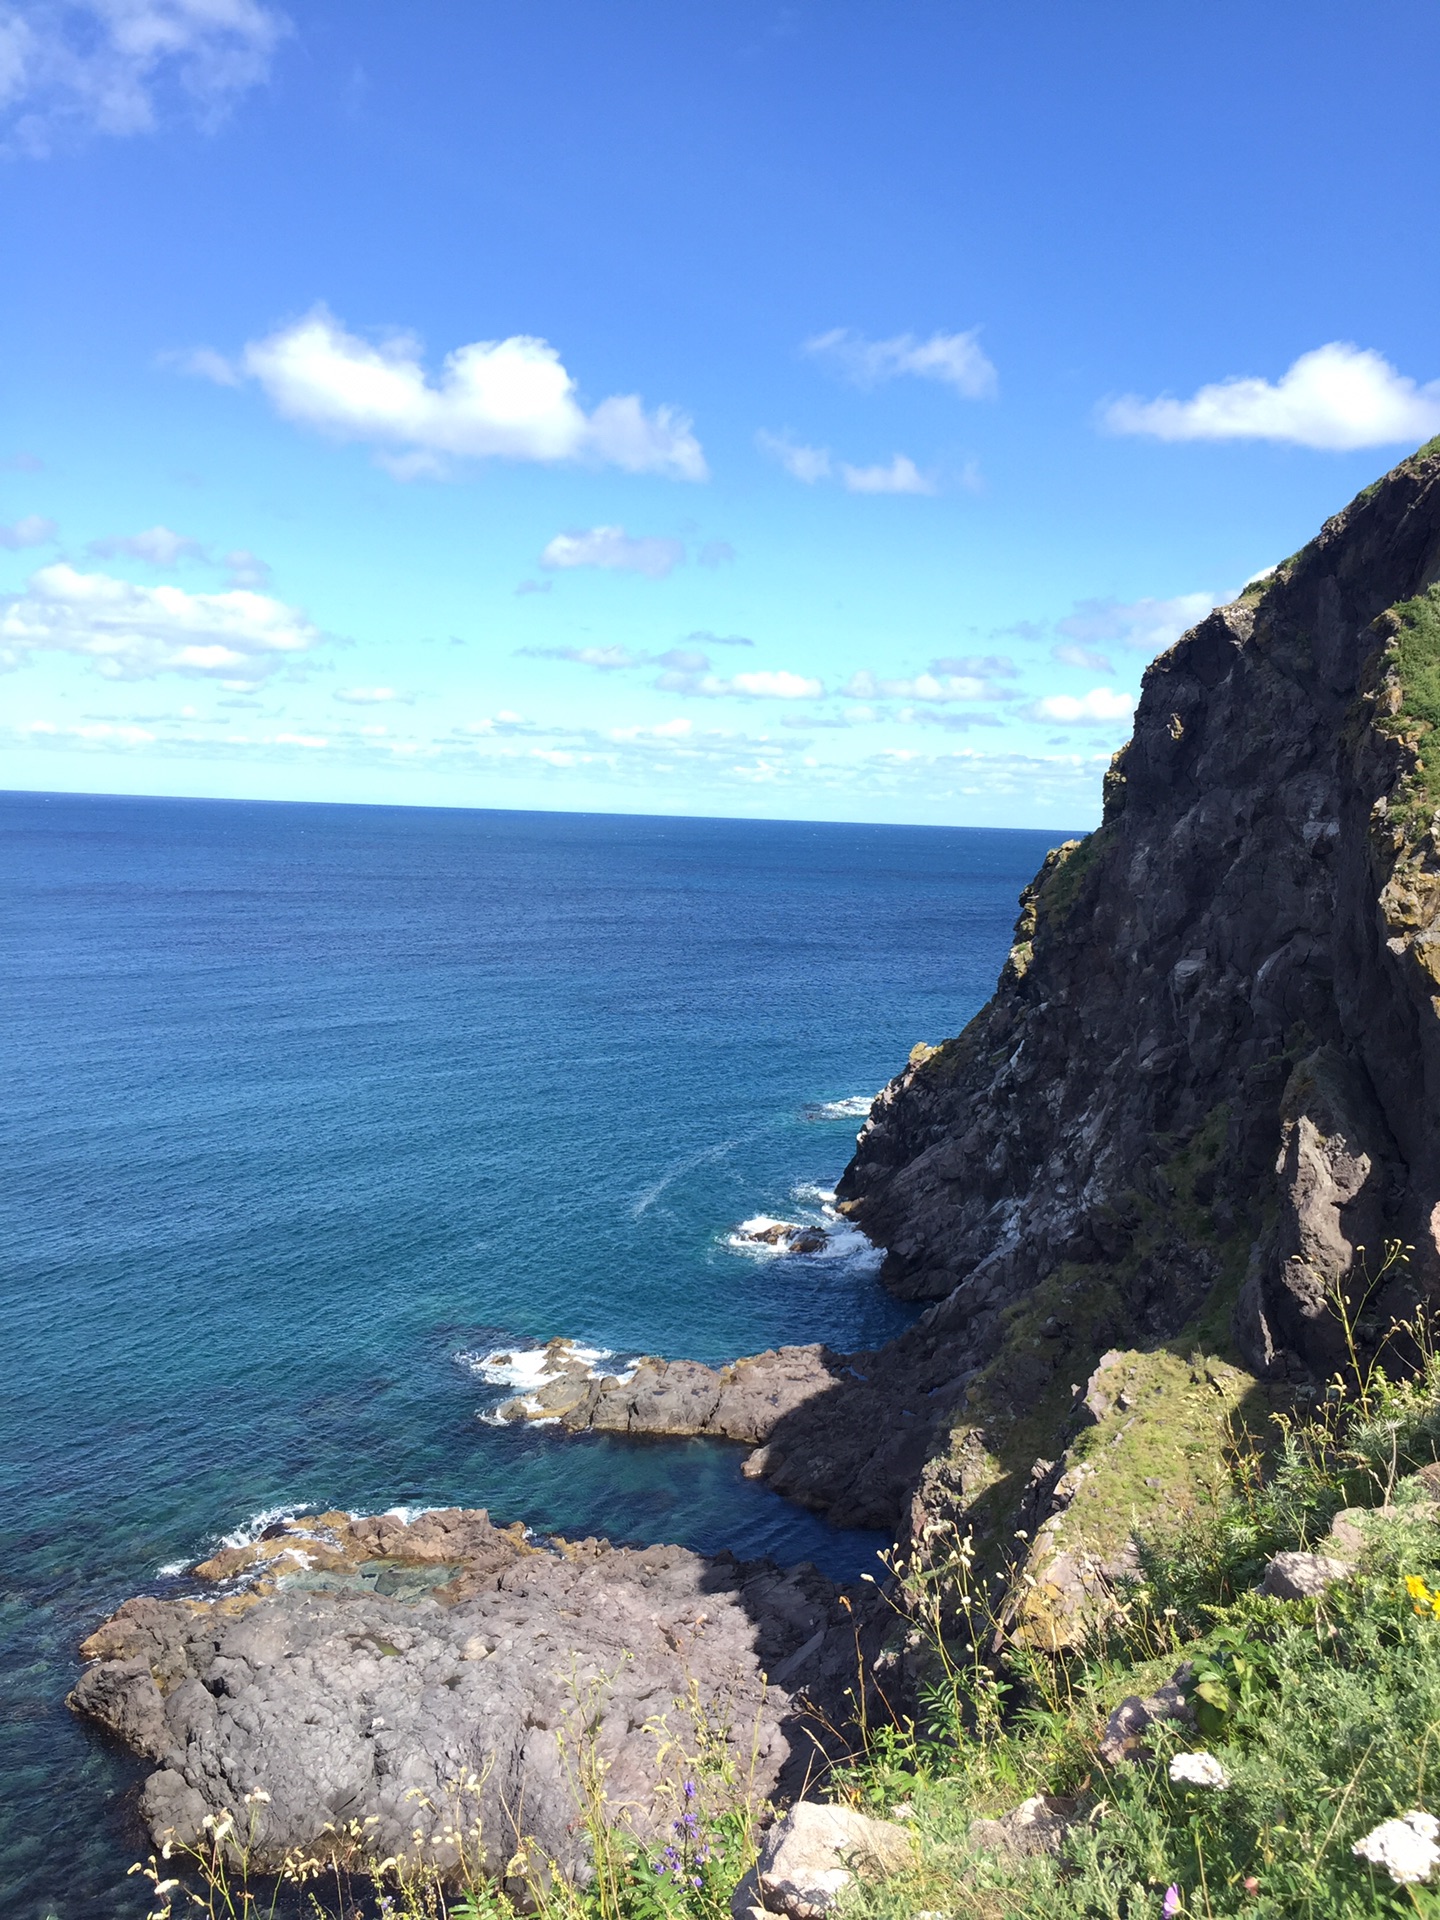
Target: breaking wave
855 1106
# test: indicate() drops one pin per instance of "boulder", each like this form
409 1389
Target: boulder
1037 1825
1303 1576
815 1851
1124 1730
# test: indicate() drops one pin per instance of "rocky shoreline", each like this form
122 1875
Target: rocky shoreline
360 1669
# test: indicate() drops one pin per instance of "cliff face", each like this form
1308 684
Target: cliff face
1215 1045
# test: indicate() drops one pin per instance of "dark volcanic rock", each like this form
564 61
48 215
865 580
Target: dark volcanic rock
342 1702
1247 944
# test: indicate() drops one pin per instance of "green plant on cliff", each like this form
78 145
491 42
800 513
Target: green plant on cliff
1412 660
1322 1715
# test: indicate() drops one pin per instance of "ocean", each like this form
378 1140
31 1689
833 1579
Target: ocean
309 1108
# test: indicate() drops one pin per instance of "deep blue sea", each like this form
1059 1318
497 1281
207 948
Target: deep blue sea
306 1106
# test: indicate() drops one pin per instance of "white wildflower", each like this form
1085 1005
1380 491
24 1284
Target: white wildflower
1405 1848
1198 1770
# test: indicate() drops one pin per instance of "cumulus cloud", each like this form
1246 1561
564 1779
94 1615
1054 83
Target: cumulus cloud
1102 706
946 682
31 531
955 359
131 633
507 399
1071 655
372 696
715 553
1337 397
1146 626
899 475
809 464
75 67
157 546
614 550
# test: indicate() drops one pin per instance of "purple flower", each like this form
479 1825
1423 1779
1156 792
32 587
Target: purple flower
1171 1904
689 1789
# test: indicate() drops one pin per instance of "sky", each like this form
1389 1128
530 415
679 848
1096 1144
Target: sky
814 411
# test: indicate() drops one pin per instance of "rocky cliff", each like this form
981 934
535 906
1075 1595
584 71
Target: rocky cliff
1218 1023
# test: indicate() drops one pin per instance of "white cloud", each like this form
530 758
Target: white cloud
716 553
72 67
604 659
158 546
1071 655
31 531
955 359
615 550
372 696
1102 706
1339 397
800 462
1146 626
690 675
809 464
508 399
941 686
131 633
777 685
900 476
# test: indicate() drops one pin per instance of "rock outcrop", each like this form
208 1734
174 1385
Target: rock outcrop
364 1669
1245 955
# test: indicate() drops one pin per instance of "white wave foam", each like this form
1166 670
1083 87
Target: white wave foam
809 1194
407 1516
855 1106
526 1368
172 1569
844 1245
249 1531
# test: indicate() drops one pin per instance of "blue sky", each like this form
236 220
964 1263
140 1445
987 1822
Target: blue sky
819 411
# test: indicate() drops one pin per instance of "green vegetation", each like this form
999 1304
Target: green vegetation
1412 661
1073 863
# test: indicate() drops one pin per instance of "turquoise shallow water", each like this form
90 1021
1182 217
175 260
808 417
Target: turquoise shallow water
302 1105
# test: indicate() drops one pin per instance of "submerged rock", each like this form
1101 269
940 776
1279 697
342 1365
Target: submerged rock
340 1701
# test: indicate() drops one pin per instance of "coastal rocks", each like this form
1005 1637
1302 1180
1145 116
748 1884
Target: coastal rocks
813 1853
785 1236
342 1701
674 1397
